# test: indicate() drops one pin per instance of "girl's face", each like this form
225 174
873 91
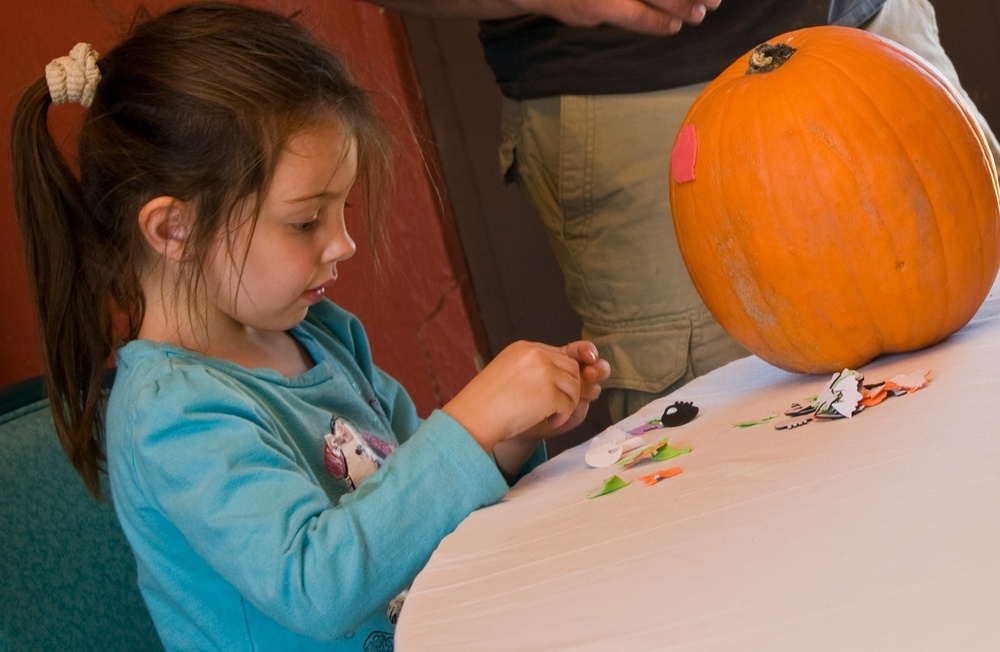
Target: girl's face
299 238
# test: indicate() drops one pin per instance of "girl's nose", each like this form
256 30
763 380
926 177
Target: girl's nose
340 245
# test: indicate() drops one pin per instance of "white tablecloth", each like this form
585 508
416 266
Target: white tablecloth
878 532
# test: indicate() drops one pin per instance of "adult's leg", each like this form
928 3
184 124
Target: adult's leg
596 170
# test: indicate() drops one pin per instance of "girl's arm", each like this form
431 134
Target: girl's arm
214 502
530 391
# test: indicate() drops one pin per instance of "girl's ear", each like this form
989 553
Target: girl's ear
165 223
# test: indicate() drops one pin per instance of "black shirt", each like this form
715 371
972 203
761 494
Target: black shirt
537 56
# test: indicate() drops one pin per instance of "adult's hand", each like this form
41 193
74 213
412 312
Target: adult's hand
645 16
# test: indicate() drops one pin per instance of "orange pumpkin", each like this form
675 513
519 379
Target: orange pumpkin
834 201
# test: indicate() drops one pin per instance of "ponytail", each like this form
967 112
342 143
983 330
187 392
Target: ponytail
68 269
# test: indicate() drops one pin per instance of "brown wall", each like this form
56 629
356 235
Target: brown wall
422 328
970 33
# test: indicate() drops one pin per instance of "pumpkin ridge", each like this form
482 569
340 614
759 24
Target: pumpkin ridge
814 165
822 319
918 202
746 289
961 312
985 264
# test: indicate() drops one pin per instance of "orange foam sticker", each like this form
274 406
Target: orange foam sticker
662 474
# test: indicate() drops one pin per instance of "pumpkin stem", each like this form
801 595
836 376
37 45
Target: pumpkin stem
767 57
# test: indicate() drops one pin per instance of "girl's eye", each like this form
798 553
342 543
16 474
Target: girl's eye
305 227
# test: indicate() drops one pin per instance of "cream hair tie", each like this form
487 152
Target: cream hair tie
74 78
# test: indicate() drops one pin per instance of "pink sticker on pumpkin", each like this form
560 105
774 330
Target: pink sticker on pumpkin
684 155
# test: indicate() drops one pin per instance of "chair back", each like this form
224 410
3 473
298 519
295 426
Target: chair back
67 575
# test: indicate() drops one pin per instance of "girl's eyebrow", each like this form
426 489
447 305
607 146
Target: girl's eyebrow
326 194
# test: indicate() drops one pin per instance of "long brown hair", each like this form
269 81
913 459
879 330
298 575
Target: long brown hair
195 104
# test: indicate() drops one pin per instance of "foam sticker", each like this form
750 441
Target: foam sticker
612 484
678 413
663 474
684 155
659 452
608 447
911 382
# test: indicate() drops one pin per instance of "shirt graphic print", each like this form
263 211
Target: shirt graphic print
351 455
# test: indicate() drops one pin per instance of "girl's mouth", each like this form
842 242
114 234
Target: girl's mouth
314 295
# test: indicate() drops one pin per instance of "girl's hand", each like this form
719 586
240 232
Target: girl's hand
511 454
593 370
529 384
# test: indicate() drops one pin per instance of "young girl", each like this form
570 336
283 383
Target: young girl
277 488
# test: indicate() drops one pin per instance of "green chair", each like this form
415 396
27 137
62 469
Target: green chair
67 575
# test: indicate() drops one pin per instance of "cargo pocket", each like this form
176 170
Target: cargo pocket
647 358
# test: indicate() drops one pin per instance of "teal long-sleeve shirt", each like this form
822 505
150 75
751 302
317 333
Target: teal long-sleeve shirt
244 540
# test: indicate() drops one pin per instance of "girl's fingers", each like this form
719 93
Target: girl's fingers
582 351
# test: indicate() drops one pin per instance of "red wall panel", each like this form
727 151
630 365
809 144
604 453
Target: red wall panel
420 318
